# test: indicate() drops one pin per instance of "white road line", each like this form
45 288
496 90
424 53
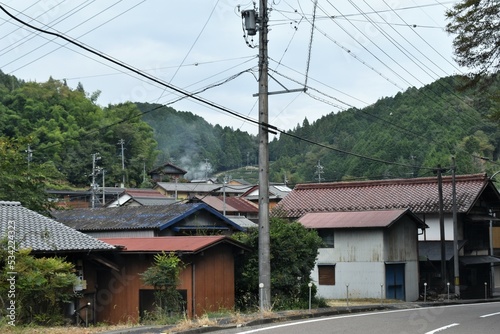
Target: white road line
442 328
489 315
370 314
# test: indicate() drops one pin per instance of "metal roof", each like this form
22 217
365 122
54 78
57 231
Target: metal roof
356 219
420 195
185 244
42 234
232 204
134 217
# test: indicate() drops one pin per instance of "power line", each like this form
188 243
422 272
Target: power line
193 96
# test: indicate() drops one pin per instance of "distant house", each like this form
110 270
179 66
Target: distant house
73 199
276 193
231 205
369 252
478 205
140 197
148 221
166 173
47 237
185 191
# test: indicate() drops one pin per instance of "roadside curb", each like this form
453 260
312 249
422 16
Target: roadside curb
255 320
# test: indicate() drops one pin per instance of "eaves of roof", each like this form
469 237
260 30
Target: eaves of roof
181 244
357 219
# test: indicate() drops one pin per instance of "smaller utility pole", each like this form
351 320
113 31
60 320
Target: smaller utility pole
122 142
319 171
94 186
456 265
444 279
30 155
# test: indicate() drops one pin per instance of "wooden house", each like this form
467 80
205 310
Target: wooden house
47 238
148 221
166 173
206 283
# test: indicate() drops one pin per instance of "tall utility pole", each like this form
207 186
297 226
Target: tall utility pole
251 19
264 239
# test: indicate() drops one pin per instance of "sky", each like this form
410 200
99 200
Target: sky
357 53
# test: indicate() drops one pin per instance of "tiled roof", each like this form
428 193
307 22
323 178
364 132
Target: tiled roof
355 219
133 217
42 234
186 244
233 204
420 195
143 193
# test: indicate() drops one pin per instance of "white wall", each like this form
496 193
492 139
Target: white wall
359 259
433 233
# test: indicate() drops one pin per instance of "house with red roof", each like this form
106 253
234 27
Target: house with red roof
206 283
196 232
477 206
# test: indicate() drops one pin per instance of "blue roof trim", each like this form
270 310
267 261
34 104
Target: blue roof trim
198 207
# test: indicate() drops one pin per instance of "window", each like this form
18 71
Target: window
326 274
327 236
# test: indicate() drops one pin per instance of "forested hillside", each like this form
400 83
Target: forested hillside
50 125
50 132
402 136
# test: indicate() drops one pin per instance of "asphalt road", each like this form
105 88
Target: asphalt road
481 318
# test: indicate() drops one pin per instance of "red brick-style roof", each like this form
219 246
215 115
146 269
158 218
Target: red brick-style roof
185 244
356 219
420 195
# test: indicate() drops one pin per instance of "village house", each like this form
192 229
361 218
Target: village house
374 254
47 238
196 232
140 197
478 204
148 221
206 282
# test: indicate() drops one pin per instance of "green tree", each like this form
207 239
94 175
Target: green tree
476 24
163 275
293 254
23 181
42 286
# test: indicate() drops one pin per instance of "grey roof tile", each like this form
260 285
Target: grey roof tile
40 233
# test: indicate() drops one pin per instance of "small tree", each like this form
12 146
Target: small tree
42 286
294 249
164 277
